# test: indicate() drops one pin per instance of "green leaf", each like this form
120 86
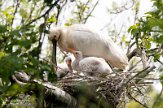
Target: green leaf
136 26
42 27
48 2
161 79
51 20
3 28
147 44
156 56
15 32
160 39
2 54
9 64
23 13
67 24
123 38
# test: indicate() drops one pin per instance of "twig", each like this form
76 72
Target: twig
130 69
123 8
31 11
135 52
157 98
59 9
145 106
54 4
128 80
16 9
17 81
159 61
91 12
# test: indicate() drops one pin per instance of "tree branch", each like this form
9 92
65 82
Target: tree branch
145 106
47 12
16 9
58 93
85 20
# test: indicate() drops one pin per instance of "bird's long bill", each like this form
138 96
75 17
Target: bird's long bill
54 52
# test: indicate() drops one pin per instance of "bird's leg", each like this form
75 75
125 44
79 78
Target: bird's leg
65 54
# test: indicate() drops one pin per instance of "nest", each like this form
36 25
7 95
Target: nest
113 88
110 90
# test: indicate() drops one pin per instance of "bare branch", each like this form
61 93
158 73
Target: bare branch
122 8
85 20
145 106
147 69
16 9
159 61
47 12
59 93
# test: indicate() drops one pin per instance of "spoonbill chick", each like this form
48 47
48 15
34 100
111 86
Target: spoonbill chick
90 65
64 68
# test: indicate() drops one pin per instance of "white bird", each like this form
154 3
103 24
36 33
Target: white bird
81 38
90 65
64 68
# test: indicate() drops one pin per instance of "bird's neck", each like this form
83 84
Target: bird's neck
62 41
75 64
70 68
61 35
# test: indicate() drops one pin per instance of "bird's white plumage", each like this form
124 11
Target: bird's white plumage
64 68
90 65
90 43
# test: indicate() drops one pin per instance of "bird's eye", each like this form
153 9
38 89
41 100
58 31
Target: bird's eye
55 36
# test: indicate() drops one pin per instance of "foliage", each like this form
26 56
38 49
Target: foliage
148 36
148 31
24 25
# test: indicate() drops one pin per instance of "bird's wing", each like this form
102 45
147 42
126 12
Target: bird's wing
83 39
118 57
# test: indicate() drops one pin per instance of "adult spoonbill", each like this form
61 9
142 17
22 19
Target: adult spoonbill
81 38
64 68
90 65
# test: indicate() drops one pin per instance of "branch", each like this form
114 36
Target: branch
157 98
130 46
54 4
135 52
58 93
159 61
17 81
122 8
148 69
137 101
59 9
91 12
16 9
31 11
